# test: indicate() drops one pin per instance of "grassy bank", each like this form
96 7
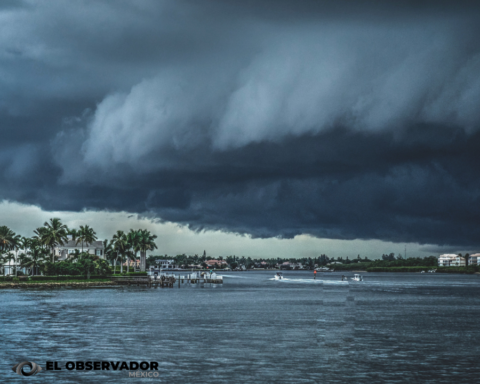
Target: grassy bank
400 269
351 266
55 283
10 279
393 266
464 270
470 270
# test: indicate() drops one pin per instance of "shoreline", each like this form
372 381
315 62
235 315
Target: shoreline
55 284
108 282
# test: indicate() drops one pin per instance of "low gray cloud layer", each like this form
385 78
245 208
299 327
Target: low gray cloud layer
353 120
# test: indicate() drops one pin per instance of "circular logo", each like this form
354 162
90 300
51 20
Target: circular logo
34 368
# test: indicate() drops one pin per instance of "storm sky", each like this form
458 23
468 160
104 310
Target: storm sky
350 121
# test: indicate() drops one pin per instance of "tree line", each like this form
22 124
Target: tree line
37 253
386 260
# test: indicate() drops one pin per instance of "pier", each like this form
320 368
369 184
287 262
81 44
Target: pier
164 280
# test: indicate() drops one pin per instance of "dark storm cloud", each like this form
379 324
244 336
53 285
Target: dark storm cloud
273 118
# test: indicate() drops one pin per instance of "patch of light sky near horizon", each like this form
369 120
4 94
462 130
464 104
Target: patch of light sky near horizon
174 239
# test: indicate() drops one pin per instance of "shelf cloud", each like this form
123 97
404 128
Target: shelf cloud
353 120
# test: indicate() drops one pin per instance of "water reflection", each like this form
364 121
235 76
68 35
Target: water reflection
389 328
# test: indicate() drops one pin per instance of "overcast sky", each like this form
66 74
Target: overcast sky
340 127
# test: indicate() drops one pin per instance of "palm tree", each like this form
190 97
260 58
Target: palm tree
467 258
133 238
9 241
23 243
110 254
39 233
17 243
121 246
34 257
8 258
7 238
74 233
2 261
121 259
131 255
146 243
54 234
86 235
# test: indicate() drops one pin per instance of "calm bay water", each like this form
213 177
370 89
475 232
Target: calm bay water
390 328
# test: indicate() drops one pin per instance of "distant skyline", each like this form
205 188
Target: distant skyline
339 127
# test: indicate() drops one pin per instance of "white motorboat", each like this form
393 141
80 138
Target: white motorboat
432 271
357 277
279 276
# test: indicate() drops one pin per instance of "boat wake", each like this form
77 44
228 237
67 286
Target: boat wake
234 276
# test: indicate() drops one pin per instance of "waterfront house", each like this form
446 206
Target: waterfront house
95 248
286 265
262 264
133 263
451 260
9 268
214 263
165 264
61 252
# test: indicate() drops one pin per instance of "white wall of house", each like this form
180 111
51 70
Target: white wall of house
95 248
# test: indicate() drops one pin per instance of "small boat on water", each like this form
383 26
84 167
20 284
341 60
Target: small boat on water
279 276
357 277
432 271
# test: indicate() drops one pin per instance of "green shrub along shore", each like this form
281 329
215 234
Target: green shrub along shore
130 274
57 284
368 268
64 279
51 279
468 270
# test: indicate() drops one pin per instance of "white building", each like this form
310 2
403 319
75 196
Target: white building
451 260
9 268
95 248
474 259
165 264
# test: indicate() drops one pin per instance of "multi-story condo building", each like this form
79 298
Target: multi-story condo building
474 259
451 260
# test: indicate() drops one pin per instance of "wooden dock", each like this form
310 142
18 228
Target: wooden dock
168 281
